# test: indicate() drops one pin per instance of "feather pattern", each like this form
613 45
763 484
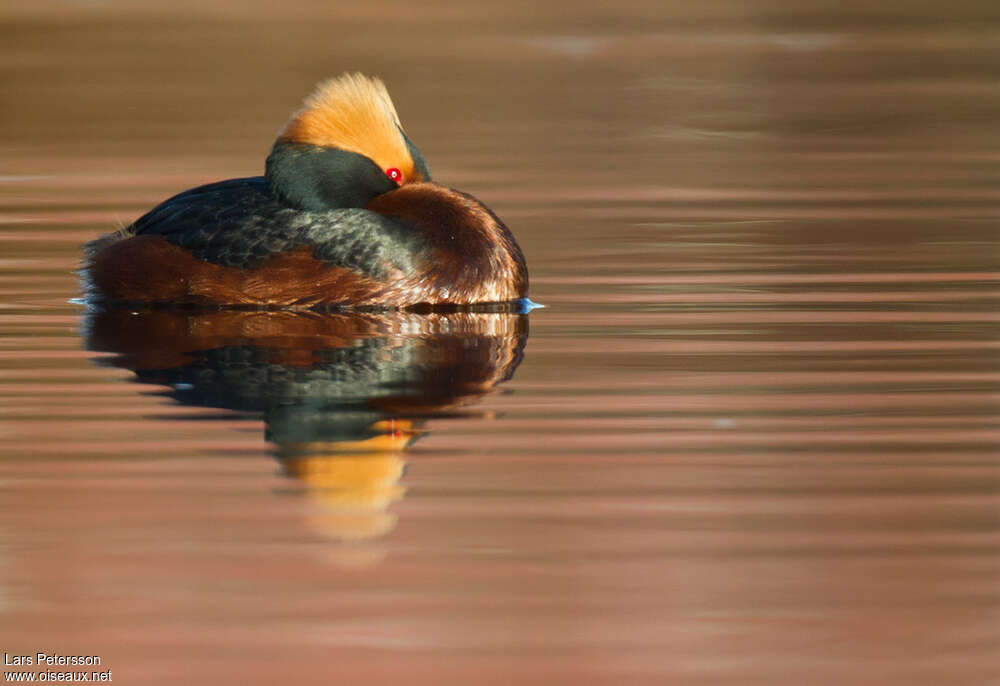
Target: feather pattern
352 112
327 225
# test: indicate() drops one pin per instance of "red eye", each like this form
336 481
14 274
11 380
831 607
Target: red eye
394 174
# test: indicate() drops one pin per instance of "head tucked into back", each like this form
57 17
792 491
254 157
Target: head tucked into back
343 147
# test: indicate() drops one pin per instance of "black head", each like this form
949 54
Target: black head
312 177
343 148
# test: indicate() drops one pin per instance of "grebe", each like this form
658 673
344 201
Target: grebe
346 215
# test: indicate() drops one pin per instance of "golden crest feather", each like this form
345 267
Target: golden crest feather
353 112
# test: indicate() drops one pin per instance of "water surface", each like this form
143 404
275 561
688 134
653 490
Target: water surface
751 440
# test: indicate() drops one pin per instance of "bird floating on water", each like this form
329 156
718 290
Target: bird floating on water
346 215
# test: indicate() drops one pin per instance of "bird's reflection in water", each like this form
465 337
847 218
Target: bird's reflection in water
342 394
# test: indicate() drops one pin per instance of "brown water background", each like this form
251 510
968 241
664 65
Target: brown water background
754 436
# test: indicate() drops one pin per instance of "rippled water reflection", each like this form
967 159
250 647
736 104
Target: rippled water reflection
342 395
751 440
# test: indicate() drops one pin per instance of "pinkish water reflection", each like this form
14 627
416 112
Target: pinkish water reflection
753 439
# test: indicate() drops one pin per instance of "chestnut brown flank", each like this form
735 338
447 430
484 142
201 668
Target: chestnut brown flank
151 269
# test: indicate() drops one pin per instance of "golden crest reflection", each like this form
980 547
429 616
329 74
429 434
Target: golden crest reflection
343 395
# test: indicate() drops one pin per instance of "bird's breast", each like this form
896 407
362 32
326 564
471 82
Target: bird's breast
470 257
